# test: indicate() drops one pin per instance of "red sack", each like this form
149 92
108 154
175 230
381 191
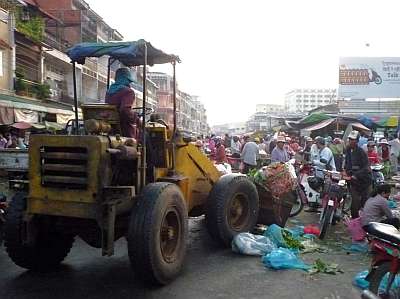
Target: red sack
312 230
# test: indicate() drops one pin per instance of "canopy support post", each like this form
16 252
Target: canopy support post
108 72
174 95
143 160
174 103
75 100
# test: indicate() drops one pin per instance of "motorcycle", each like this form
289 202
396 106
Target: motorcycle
377 175
333 200
301 197
385 245
3 209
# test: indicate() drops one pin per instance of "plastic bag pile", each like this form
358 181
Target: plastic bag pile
278 247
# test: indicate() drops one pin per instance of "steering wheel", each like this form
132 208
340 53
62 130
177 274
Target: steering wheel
147 112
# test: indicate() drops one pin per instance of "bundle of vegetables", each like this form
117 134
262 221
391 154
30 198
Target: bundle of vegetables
276 178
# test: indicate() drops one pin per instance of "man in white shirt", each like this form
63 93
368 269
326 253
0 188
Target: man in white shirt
235 147
394 153
249 156
325 159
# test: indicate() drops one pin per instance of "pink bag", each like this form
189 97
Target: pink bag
355 229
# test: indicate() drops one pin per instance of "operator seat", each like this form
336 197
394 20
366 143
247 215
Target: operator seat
104 113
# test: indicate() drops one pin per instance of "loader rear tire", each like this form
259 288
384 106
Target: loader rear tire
158 232
232 208
48 249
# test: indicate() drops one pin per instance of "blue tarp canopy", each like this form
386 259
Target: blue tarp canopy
129 53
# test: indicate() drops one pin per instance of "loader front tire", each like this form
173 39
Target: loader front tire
232 207
48 247
158 233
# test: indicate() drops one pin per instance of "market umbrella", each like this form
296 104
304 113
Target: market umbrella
391 121
21 125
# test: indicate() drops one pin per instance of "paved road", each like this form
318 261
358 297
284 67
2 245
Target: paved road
210 272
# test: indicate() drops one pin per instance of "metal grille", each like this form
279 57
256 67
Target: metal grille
64 167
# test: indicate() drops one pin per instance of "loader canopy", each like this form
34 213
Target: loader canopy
129 53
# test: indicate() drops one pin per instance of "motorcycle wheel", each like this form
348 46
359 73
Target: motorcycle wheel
375 279
346 206
378 80
298 205
325 221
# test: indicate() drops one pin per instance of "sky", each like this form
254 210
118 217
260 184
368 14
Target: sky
236 54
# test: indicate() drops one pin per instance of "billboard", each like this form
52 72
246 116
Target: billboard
369 77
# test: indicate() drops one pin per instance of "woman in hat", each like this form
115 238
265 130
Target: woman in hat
384 155
122 95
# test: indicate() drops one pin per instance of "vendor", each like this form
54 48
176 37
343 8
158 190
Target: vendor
279 153
384 155
376 208
372 154
122 95
220 156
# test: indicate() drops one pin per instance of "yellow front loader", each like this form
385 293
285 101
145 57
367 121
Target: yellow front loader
101 187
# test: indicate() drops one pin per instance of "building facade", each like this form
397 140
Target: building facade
273 109
235 128
191 114
34 38
74 21
304 100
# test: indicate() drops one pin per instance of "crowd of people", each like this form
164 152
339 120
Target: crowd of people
352 156
12 140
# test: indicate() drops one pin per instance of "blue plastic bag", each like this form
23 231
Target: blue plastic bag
361 247
247 243
359 280
283 258
384 282
274 233
296 231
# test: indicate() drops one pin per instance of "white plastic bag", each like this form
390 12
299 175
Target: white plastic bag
249 244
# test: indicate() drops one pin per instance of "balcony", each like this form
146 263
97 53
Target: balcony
55 43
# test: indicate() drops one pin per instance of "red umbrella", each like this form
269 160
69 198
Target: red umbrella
21 125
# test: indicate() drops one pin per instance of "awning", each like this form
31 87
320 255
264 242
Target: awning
52 126
314 117
27 116
6 116
13 101
359 126
320 125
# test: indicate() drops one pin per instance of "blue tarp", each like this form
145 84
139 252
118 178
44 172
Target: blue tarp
129 53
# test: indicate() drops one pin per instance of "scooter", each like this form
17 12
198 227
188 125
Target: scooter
305 193
385 244
377 175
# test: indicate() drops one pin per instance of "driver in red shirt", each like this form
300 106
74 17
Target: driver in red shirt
122 95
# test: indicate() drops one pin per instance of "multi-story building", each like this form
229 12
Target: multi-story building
6 52
236 128
75 22
191 114
261 121
272 109
303 100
